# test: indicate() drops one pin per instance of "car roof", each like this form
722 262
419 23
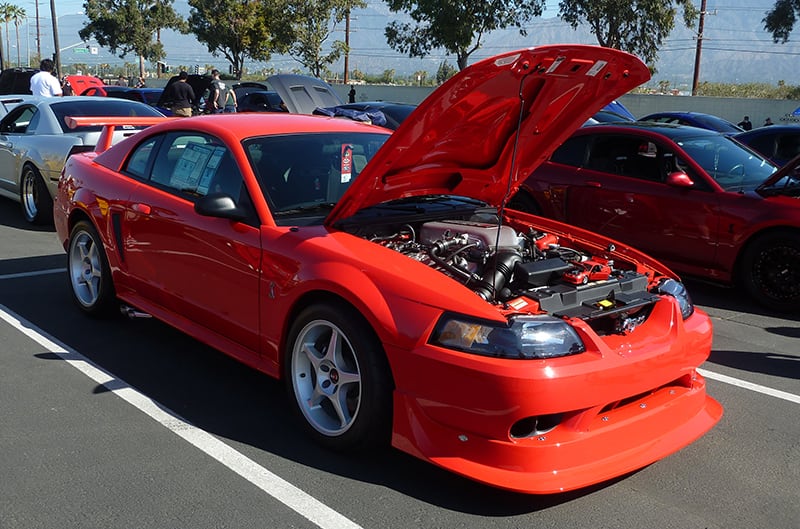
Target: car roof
772 129
670 130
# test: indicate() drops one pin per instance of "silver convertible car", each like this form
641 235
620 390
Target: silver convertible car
35 142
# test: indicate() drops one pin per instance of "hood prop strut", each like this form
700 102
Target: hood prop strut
495 258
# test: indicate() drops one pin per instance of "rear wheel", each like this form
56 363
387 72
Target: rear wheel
89 273
337 378
770 270
37 204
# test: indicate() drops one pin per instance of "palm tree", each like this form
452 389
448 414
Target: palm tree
18 15
5 16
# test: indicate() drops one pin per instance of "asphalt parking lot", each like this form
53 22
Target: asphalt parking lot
127 423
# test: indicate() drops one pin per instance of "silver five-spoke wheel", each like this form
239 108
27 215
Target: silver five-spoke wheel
326 377
338 379
88 270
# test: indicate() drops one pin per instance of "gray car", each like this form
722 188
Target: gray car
35 143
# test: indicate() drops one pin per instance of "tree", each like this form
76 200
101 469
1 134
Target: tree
18 15
456 26
638 27
128 26
781 18
5 16
445 72
313 22
238 29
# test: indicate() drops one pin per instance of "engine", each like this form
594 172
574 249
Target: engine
499 264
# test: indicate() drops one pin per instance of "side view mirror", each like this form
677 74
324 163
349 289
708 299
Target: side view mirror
679 179
219 205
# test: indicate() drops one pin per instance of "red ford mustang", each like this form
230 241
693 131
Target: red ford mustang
381 279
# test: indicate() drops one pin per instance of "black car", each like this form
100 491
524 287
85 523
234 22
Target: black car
16 80
395 113
779 143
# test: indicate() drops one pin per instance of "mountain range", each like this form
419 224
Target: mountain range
735 47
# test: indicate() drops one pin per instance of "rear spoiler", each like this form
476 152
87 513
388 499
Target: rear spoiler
109 123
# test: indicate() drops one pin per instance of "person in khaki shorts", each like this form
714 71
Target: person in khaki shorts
180 95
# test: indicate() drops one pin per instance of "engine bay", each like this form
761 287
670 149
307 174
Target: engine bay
501 264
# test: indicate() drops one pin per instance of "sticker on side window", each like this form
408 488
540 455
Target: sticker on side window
347 163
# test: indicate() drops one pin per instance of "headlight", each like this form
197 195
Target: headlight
676 289
523 337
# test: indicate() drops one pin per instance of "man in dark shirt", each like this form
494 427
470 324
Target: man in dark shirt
181 95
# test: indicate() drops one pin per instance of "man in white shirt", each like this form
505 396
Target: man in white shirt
44 83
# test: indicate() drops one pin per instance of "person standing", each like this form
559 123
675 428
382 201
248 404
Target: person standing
44 83
222 98
746 124
351 95
180 95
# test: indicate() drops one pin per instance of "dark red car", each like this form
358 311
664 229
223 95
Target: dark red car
698 200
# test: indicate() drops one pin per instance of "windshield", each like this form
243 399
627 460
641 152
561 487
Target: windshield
309 172
734 167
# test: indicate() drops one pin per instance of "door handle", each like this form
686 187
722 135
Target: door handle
592 183
144 209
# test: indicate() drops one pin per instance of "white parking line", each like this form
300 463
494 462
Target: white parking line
791 397
280 489
31 274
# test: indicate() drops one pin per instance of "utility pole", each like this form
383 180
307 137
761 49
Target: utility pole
38 34
700 25
57 53
347 46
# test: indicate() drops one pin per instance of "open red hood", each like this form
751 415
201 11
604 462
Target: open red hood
791 167
461 139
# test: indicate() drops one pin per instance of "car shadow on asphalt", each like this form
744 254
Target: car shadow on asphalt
23 265
11 216
731 299
774 364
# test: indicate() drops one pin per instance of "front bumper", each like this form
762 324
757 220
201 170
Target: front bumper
617 409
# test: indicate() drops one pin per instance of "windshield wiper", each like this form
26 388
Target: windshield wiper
306 209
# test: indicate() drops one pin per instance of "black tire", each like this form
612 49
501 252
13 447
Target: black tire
522 201
342 395
770 271
89 273
37 204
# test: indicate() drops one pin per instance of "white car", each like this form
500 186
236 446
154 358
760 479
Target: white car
35 143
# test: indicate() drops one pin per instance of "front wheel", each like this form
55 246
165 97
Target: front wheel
89 273
37 204
770 271
338 379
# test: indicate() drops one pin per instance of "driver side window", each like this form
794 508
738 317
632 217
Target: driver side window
19 120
